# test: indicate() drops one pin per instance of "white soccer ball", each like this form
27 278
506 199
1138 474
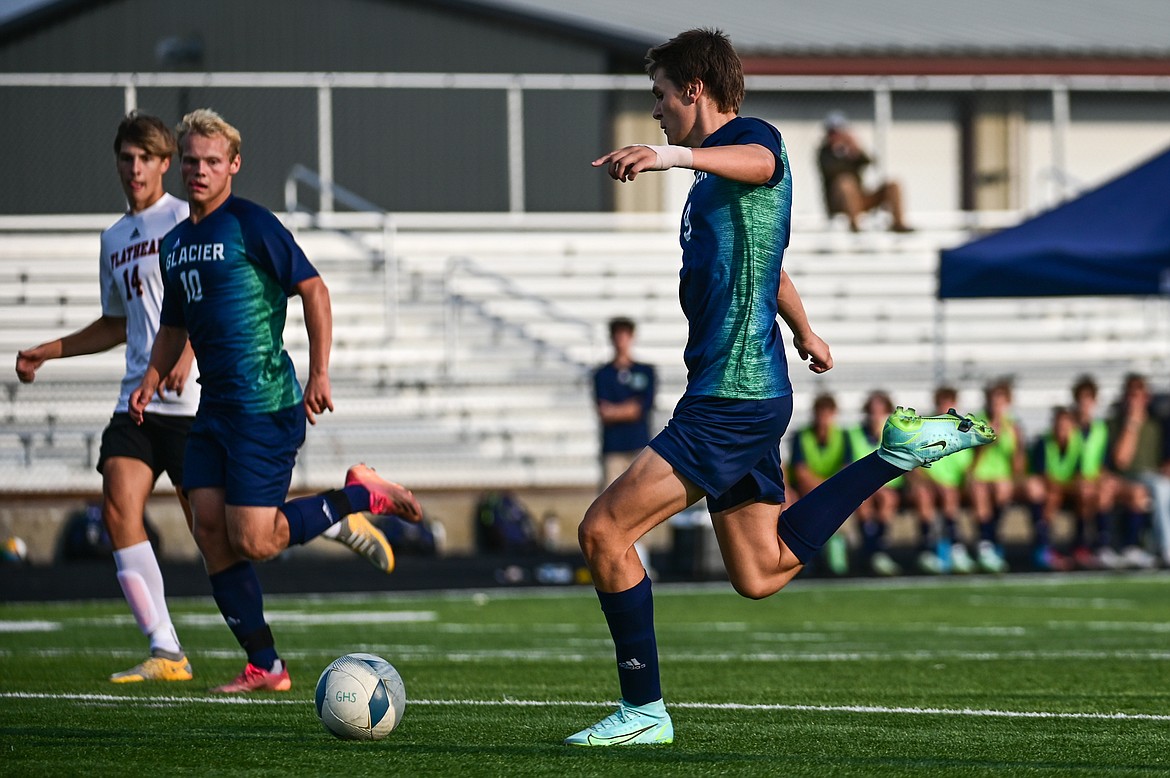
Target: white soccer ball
360 697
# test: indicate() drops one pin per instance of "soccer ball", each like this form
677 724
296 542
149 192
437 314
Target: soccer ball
360 697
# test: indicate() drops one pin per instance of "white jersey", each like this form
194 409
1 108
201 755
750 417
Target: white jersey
132 288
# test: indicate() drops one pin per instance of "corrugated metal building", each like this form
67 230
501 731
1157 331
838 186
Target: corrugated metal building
958 144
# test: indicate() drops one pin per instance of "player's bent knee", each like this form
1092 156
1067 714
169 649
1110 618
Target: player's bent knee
599 536
257 549
756 588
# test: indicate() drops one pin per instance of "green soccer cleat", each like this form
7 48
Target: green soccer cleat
629 725
910 440
161 666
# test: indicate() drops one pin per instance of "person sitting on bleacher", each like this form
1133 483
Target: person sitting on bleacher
877 513
818 452
1054 485
937 493
1102 492
997 475
1138 453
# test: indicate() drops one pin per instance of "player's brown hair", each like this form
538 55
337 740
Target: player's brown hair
878 396
1084 384
701 55
948 394
825 402
148 132
206 122
621 324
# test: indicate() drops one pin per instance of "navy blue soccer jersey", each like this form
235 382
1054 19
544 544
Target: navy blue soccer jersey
733 237
617 386
227 281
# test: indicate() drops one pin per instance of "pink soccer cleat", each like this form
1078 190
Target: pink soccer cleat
255 679
386 498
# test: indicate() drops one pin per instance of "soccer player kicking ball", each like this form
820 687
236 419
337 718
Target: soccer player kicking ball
228 271
133 457
723 440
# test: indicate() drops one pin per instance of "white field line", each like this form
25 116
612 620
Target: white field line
710 706
429 620
1015 582
420 653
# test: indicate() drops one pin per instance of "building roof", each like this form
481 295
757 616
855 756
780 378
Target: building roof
829 36
1097 28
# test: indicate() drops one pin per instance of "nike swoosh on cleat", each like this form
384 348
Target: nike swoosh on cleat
939 443
594 740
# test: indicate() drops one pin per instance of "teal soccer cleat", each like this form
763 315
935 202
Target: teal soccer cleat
910 440
629 725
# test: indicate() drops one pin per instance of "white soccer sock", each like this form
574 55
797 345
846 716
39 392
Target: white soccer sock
142 584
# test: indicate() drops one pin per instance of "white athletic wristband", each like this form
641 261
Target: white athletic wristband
667 157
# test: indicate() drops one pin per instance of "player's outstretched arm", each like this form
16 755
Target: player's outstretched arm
749 163
808 344
99 335
168 346
319 326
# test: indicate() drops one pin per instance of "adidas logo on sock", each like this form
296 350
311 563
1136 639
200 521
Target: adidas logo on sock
631 664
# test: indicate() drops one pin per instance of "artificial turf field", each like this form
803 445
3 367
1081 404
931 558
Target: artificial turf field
1024 675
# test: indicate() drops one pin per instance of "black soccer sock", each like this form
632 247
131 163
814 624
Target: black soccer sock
815 517
630 615
240 599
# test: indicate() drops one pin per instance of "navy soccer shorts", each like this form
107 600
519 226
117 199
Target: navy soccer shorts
728 448
248 455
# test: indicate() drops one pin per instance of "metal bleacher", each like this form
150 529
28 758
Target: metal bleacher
462 347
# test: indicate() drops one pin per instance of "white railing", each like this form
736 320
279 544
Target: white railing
515 86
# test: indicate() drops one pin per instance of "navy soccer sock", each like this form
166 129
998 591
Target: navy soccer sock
1131 529
308 517
812 520
1104 530
873 536
239 597
950 529
1039 525
630 615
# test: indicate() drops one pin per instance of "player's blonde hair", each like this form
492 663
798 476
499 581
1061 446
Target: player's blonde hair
206 122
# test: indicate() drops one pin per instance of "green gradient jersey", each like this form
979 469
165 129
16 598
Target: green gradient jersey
227 281
733 238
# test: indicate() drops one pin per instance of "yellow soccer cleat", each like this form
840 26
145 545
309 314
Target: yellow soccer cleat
160 667
366 540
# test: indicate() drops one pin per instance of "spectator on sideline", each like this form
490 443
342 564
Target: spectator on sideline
938 493
818 453
876 513
624 392
1138 449
1054 485
997 475
842 163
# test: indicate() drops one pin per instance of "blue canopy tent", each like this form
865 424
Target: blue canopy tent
1113 240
